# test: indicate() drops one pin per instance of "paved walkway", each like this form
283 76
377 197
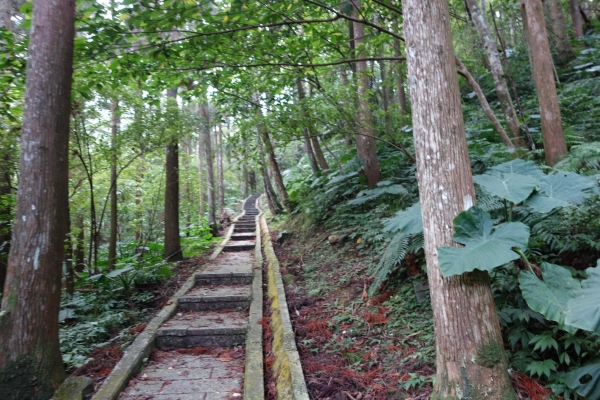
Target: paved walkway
199 351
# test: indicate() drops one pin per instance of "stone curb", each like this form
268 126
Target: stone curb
144 343
287 367
254 386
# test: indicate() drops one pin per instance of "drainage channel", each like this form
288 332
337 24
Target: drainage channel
206 344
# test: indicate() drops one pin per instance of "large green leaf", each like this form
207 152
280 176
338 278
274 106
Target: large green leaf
550 296
518 166
368 195
510 186
485 247
560 190
590 390
408 221
584 309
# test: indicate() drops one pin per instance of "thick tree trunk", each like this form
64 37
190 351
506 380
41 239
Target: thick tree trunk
31 366
462 70
465 320
576 19
512 121
172 240
366 145
559 28
210 172
220 178
400 74
542 69
112 242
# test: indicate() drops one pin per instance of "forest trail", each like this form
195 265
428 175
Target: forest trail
200 350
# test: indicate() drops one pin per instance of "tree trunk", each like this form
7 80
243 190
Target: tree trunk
252 176
400 75
512 121
385 100
316 146
559 28
172 240
465 319
245 180
201 173
112 242
347 137
69 258
576 19
210 172
80 246
220 178
308 149
274 205
366 145
31 365
462 70
542 69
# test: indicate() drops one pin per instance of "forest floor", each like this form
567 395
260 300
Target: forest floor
351 346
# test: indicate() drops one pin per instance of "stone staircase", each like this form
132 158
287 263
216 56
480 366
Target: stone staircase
213 314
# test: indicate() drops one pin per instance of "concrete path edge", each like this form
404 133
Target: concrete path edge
287 367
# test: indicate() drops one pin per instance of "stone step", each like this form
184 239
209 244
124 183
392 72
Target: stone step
245 225
243 236
203 329
228 269
239 245
243 230
209 298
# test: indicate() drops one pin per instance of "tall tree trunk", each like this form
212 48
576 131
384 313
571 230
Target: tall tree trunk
308 149
31 365
69 258
462 70
465 318
220 178
245 180
400 75
201 172
253 183
274 205
210 172
347 137
80 246
270 151
385 100
366 145
542 69
576 19
512 121
112 242
172 240
559 28
316 146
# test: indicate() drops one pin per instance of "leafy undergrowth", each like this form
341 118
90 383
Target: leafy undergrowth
103 349
353 347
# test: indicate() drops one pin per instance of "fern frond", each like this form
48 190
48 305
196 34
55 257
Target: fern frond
391 258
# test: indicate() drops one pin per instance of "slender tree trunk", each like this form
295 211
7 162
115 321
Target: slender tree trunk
245 180
576 19
542 69
221 184
69 258
347 137
400 75
31 365
201 172
210 172
112 242
462 70
559 28
274 205
512 121
366 145
253 184
314 140
172 240
80 246
465 318
385 100
308 150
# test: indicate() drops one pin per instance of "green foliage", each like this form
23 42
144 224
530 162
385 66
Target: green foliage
584 307
485 247
392 257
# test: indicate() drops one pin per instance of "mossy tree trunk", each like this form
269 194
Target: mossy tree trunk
31 366
470 354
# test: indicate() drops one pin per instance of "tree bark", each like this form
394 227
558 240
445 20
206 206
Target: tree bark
366 145
252 177
347 137
220 178
274 205
462 70
245 182
559 28
80 246
112 242
542 69
172 240
201 172
512 121
465 319
576 19
316 146
210 171
31 365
